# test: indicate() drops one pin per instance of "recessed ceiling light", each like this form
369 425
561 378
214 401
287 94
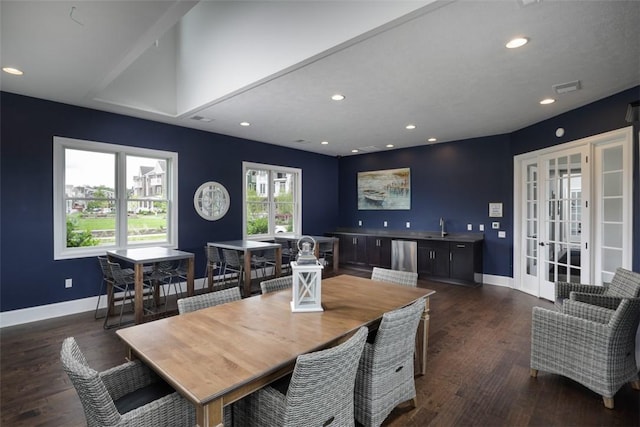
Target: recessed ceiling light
354 151
410 127
245 124
324 142
547 101
432 139
389 145
517 42
11 70
337 97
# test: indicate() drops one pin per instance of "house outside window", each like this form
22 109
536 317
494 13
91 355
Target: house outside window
272 196
112 197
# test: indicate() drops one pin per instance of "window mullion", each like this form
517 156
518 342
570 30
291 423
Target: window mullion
121 200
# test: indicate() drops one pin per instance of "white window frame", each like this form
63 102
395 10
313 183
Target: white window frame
60 250
297 221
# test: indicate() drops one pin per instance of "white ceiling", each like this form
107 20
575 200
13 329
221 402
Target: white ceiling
440 65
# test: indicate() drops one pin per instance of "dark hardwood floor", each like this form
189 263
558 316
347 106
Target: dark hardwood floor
477 369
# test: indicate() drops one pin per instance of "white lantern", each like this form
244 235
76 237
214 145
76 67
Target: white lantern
307 279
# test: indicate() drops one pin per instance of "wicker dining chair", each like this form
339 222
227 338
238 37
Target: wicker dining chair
319 393
591 345
124 281
405 278
107 278
385 374
624 284
214 261
126 395
198 302
277 284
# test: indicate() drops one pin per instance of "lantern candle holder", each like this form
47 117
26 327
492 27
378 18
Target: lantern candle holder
307 287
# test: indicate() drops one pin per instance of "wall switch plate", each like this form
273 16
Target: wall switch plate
502 234
408 224
359 223
495 225
384 224
68 283
481 227
469 227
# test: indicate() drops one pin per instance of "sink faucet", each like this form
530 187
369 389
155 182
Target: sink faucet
442 232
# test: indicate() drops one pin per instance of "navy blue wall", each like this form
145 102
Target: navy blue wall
457 180
30 277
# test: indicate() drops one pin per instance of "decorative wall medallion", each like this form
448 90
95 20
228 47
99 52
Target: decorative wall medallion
211 200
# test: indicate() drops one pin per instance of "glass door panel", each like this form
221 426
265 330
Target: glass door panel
563 222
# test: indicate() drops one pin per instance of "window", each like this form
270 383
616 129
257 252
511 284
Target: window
272 196
112 197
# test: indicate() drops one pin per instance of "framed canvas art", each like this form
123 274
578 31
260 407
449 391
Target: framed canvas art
388 189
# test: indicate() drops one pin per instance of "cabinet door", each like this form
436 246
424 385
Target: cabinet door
462 261
360 249
379 251
433 259
441 259
347 251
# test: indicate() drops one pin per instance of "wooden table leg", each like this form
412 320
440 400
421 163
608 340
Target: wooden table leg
422 342
191 289
138 296
210 415
247 274
278 271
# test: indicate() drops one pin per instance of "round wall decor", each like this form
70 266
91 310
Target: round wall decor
211 200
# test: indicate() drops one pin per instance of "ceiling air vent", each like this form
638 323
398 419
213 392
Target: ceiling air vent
368 149
200 118
566 87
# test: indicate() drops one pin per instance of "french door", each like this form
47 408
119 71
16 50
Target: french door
573 213
557 220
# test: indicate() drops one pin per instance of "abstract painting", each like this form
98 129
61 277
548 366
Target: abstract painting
388 189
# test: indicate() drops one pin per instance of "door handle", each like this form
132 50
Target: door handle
541 243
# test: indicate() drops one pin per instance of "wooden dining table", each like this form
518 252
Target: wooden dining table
334 241
248 247
216 356
140 257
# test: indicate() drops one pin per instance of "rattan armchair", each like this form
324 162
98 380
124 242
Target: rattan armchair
385 374
320 392
624 284
277 284
405 278
126 395
198 302
592 345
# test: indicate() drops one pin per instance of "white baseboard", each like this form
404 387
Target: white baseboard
50 311
490 279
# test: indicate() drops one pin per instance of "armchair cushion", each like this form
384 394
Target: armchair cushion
142 396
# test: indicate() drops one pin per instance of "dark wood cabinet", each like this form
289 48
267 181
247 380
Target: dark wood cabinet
353 249
454 259
461 265
433 258
379 251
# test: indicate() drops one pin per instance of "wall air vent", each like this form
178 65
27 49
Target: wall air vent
566 87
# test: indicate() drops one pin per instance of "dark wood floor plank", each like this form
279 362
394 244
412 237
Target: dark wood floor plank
477 369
